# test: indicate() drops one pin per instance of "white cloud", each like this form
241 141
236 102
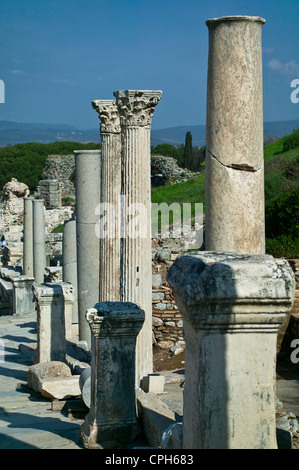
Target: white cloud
288 70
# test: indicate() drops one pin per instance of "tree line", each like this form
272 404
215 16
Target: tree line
187 155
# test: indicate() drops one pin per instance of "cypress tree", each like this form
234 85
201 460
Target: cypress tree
188 152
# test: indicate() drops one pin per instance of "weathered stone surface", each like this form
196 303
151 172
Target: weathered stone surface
39 240
136 109
85 386
28 237
38 372
234 144
54 305
112 414
232 307
153 383
108 229
87 182
60 387
155 416
156 281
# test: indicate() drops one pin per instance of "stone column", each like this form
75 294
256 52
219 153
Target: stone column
136 109
87 183
232 307
69 261
51 322
39 244
112 415
234 136
108 229
28 237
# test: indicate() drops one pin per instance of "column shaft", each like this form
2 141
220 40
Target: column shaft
108 227
69 261
136 109
234 136
87 182
39 247
28 237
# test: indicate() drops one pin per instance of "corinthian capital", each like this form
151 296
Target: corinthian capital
108 115
136 107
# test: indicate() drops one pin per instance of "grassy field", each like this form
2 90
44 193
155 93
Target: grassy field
281 175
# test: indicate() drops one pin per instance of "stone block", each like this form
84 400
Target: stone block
156 281
60 387
153 383
38 372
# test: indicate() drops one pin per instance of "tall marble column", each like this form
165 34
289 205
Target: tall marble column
108 226
234 136
28 237
39 240
87 184
69 261
136 110
232 306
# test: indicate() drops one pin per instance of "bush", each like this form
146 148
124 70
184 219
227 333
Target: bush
283 247
291 141
26 162
166 150
282 215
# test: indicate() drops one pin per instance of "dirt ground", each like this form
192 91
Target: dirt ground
165 360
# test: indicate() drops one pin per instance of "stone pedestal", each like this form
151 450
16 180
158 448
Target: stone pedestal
232 307
112 415
69 261
39 243
87 183
234 136
136 109
23 299
53 313
28 237
108 226
50 191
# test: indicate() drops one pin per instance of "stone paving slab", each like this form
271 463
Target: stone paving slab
27 420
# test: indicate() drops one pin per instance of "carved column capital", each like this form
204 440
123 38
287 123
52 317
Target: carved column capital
108 115
136 107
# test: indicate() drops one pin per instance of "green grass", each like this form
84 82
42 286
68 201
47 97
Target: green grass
281 169
191 191
281 179
281 175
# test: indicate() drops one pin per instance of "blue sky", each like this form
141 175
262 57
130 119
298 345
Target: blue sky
57 56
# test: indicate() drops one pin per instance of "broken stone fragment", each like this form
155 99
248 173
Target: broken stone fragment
60 387
38 372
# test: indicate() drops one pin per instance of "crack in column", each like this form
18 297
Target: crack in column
234 166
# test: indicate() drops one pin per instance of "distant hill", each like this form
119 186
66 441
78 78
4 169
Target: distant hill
12 133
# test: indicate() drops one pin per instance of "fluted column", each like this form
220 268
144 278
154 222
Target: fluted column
234 136
87 183
28 237
108 227
136 109
39 240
